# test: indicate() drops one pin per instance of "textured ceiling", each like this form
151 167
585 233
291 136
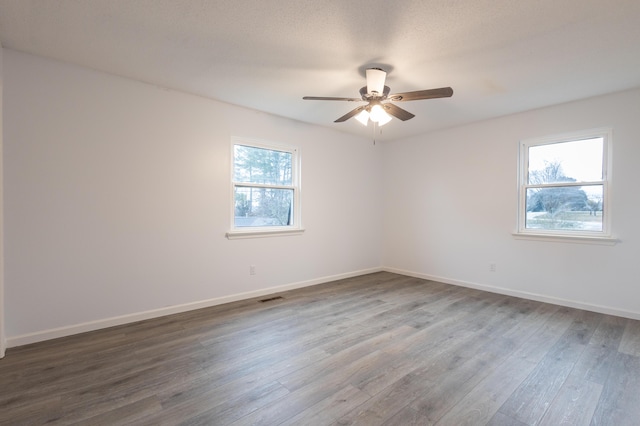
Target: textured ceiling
500 56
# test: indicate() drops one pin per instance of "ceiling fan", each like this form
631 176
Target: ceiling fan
375 93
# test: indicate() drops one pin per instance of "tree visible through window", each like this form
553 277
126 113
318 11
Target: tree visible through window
265 186
564 184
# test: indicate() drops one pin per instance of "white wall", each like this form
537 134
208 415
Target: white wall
117 199
450 208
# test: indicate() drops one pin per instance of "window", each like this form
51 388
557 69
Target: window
265 188
564 184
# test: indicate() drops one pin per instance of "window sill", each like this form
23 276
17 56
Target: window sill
579 239
262 233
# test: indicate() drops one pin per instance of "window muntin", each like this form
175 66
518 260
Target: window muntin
564 185
266 192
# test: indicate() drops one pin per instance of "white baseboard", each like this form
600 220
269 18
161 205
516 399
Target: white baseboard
55 333
522 294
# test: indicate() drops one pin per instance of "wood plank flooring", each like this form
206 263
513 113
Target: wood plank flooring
380 349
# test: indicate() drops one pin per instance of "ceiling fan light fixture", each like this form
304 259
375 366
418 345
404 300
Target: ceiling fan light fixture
363 117
375 81
379 115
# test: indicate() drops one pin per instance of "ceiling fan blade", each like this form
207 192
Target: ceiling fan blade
443 92
350 114
323 98
398 112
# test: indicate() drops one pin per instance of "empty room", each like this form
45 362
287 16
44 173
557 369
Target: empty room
319 212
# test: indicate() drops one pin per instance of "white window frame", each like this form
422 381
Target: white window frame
579 236
267 231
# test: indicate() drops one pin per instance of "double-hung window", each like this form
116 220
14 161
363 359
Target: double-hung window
564 186
265 189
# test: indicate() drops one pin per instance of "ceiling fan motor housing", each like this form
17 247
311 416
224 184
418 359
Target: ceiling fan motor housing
368 96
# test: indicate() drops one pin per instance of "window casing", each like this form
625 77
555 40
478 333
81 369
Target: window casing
265 193
564 186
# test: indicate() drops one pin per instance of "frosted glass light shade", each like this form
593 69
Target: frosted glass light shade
376 113
384 119
363 117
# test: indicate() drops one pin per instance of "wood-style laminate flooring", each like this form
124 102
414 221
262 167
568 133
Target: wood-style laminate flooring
375 349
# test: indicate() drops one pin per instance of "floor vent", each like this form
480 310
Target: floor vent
271 299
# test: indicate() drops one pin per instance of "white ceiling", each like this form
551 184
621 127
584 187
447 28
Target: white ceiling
500 56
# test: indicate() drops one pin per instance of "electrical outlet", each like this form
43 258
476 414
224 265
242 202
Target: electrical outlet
492 267
252 269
